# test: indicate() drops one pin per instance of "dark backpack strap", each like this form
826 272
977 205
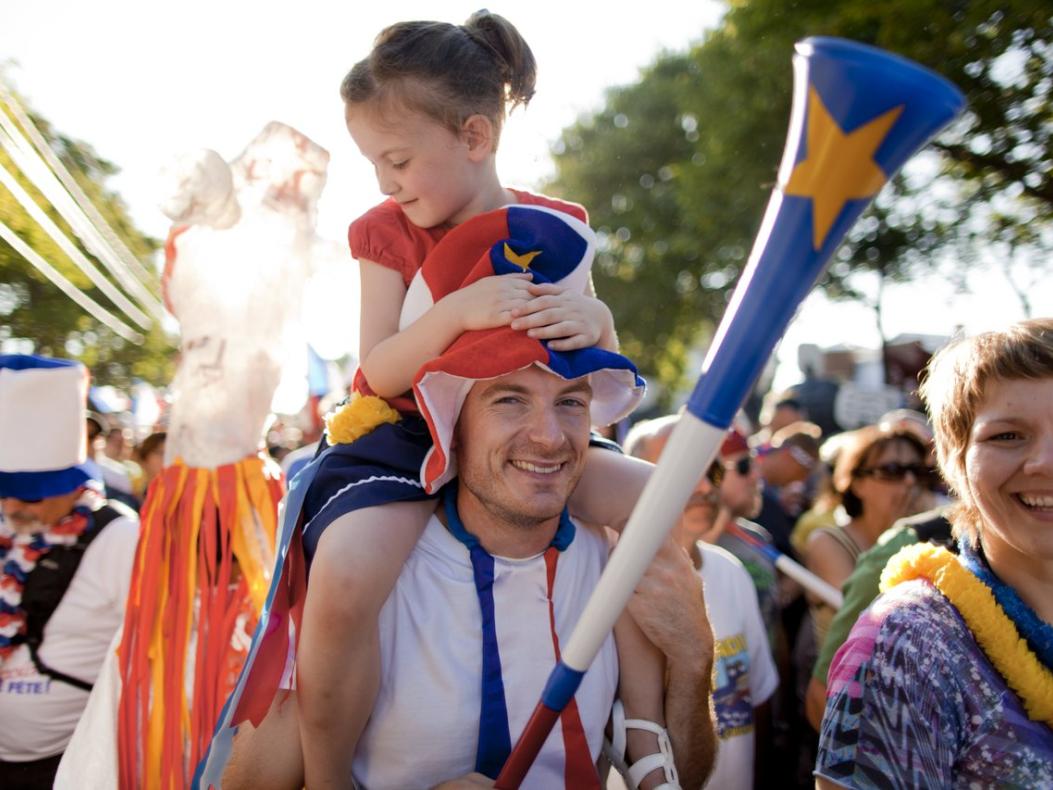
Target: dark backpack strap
47 584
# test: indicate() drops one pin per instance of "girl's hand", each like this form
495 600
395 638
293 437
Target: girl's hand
491 301
569 319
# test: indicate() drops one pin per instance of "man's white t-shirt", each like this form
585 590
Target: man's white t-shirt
424 725
744 675
38 714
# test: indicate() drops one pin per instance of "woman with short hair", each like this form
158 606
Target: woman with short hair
947 679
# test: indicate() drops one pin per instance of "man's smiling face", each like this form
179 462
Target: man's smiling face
521 441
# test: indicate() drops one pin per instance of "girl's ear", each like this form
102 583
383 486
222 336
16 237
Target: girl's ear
478 134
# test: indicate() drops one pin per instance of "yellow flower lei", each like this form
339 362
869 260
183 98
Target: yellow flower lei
996 634
359 416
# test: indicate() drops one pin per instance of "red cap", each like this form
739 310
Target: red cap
734 444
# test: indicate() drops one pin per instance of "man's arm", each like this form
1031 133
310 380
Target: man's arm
668 606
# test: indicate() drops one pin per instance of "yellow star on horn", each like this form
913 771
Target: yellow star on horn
840 166
523 260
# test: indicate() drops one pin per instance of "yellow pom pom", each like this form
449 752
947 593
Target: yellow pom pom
357 417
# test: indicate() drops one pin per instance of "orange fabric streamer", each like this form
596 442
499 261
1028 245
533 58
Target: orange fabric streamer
202 569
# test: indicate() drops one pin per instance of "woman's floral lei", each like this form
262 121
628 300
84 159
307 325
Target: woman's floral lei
1003 638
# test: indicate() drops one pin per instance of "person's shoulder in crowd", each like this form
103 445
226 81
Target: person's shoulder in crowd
904 532
750 551
908 611
719 557
860 589
755 530
931 525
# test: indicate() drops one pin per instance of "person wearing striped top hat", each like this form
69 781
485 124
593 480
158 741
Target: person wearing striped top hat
65 561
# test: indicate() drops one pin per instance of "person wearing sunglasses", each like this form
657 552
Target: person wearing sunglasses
946 680
876 480
879 477
745 677
740 492
740 502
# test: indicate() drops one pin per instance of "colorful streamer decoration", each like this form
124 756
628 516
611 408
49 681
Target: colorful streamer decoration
183 644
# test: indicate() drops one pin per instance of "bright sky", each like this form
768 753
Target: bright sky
143 84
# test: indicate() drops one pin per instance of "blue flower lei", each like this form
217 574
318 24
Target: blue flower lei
1038 633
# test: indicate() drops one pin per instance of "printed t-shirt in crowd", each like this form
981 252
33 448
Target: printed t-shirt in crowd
744 674
431 643
38 714
912 701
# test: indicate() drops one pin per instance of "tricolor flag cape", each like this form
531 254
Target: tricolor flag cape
555 248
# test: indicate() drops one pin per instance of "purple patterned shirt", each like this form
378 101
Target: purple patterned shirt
912 701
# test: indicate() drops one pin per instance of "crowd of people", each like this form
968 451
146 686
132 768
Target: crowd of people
822 501
125 466
786 665
870 608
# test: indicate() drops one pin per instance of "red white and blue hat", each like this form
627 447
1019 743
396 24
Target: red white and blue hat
43 432
555 248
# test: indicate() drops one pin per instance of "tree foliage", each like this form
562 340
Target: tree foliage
676 168
34 310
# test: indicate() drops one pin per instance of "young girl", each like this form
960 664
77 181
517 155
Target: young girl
425 108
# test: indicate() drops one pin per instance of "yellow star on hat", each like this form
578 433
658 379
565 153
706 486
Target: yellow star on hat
523 260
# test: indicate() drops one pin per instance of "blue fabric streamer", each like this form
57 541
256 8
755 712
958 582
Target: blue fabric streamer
495 740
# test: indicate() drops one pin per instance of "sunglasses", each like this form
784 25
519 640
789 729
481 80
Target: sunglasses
742 466
894 472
